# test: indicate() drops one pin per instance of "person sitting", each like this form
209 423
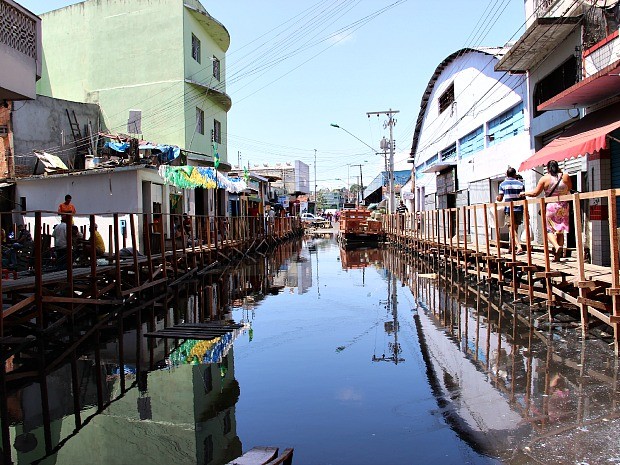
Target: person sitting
23 241
99 244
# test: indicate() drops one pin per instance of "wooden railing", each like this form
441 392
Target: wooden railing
142 251
471 238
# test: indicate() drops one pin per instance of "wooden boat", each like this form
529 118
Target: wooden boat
357 226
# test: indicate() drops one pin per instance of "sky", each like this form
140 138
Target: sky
296 66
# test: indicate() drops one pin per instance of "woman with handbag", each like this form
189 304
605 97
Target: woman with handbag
554 183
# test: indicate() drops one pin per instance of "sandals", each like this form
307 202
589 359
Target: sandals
558 254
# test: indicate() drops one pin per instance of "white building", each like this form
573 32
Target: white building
124 190
471 127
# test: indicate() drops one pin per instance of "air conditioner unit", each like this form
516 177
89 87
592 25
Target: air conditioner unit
4 131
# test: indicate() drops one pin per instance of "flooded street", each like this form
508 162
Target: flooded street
357 357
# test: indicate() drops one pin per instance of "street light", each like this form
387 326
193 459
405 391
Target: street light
334 125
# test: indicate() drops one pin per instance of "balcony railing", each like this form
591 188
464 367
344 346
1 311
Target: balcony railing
18 30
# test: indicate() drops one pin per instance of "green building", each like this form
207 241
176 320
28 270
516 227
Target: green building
155 67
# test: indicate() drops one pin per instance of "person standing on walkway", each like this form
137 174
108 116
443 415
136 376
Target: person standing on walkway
512 189
555 183
402 208
60 241
67 207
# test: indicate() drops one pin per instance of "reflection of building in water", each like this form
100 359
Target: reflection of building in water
295 272
498 380
185 411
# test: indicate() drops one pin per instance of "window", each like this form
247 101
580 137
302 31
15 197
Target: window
506 125
449 153
471 143
446 99
200 121
216 68
134 122
217 131
195 48
555 82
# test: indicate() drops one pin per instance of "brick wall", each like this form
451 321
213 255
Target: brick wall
6 142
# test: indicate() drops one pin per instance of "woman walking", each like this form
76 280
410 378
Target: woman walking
555 183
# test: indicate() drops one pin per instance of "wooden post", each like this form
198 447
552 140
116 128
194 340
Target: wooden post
548 281
582 284
477 243
487 240
458 239
162 247
192 239
38 270
200 245
465 251
615 279
175 263
117 256
134 246
528 250
513 246
498 244
148 252
93 258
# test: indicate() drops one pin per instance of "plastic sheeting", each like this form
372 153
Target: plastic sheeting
190 177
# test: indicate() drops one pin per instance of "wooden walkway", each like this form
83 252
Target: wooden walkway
468 239
45 299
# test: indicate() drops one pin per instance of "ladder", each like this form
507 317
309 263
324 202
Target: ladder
81 146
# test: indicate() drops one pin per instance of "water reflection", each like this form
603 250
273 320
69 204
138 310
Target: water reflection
513 391
387 362
114 396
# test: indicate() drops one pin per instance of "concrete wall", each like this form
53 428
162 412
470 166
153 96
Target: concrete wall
134 55
194 23
21 64
42 124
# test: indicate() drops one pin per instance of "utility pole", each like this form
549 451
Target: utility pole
361 185
315 198
391 122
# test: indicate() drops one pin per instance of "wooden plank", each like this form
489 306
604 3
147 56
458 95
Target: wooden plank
143 286
594 304
81 300
18 306
601 316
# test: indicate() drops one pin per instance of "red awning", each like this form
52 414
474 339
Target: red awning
588 135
